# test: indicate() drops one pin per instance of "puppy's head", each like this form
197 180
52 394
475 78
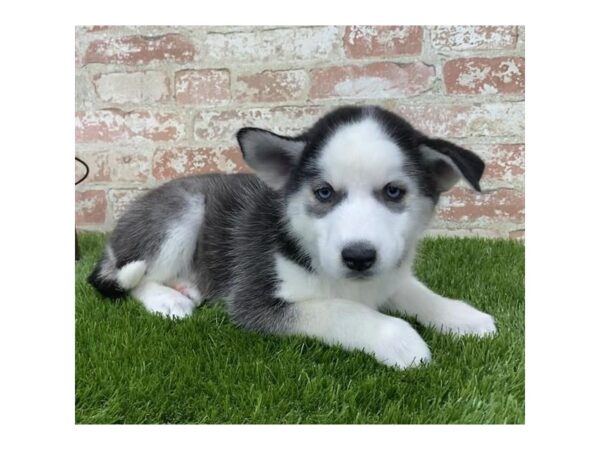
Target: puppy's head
360 186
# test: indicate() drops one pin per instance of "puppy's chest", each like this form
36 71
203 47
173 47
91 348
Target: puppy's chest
296 284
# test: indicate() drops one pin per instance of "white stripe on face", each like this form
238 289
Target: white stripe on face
360 155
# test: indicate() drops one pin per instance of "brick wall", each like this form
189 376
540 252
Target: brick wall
154 103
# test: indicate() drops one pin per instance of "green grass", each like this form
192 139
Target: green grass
132 367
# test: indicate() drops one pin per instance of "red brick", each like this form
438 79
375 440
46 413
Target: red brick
371 41
504 162
222 126
140 50
485 76
201 87
132 87
271 86
377 80
90 207
178 162
462 204
473 37
113 125
454 120
98 164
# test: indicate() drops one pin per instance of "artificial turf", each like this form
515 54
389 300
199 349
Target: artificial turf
133 367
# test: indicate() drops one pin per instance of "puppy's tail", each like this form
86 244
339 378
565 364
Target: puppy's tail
114 283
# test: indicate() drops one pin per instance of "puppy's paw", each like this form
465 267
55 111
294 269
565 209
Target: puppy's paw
462 319
171 305
400 346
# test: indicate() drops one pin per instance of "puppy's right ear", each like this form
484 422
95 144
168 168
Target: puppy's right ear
270 155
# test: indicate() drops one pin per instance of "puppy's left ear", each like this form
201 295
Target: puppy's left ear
448 162
270 155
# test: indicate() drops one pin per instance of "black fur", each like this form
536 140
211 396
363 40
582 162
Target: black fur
109 288
470 165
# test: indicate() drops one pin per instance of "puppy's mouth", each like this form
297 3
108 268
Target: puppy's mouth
360 276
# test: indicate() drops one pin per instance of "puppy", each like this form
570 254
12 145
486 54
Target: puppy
317 243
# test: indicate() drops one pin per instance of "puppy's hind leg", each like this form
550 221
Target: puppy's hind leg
163 300
168 288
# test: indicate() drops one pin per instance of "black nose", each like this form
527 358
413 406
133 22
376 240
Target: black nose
359 256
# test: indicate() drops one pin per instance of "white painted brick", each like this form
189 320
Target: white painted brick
266 45
132 87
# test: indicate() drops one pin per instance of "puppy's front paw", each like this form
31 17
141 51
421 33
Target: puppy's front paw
462 319
399 345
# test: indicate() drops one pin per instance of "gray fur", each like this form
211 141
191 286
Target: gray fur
240 233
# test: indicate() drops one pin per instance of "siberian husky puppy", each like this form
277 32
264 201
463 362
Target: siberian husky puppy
318 243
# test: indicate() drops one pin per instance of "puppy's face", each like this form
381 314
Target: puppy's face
356 206
360 186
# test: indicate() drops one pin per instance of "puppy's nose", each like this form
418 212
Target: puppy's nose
359 256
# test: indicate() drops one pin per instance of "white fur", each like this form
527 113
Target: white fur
360 155
296 284
357 327
344 312
175 255
163 300
130 275
445 315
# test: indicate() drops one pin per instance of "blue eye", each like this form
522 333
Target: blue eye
393 192
324 193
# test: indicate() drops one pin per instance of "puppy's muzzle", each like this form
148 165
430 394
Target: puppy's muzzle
359 256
